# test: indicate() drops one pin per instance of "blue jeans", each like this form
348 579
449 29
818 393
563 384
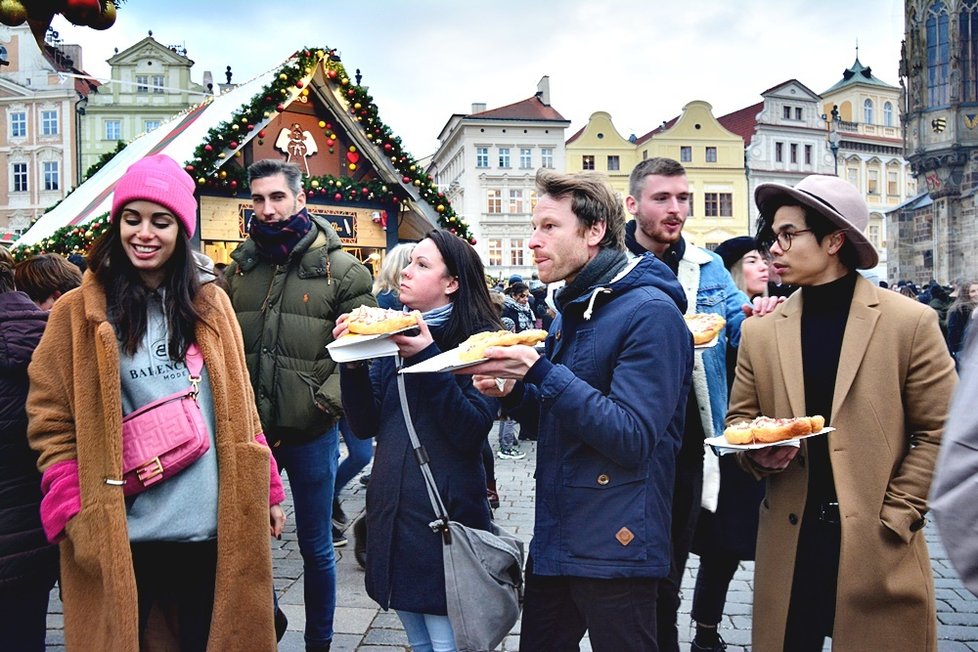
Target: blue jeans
427 632
359 451
311 469
507 435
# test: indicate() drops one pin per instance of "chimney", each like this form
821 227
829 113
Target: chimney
73 52
478 107
543 90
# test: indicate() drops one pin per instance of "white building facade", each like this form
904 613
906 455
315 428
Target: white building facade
38 126
789 140
150 84
486 163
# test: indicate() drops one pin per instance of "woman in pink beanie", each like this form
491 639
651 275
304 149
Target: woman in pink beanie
184 562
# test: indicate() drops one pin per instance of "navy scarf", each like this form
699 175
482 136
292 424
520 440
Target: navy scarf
276 241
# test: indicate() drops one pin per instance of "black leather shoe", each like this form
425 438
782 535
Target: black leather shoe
719 646
281 624
360 541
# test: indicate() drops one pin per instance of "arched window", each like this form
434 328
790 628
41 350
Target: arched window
3 54
938 54
968 26
887 114
868 112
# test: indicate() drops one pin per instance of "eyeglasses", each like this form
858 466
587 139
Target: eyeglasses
784 238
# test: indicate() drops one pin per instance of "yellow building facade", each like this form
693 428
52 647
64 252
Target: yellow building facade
713 158
599 146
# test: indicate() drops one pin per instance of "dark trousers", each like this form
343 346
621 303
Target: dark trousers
811 612
179 579
23 615
558 610
686 498
712 581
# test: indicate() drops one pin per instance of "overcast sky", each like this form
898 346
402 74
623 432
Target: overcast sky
640 60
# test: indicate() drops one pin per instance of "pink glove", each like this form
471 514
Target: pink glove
276 493
62 498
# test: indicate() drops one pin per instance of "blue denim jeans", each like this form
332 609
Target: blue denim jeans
359 452
311 471
427 632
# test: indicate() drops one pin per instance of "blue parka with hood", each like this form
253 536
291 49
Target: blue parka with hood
610 401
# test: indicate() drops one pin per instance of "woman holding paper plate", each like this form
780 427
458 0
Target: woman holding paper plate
445 281
142 564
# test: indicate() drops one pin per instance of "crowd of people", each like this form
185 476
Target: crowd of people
619 403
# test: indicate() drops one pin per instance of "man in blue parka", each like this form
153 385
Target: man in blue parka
659 201
609 398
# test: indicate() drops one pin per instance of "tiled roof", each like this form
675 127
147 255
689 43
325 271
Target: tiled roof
658 130
742 122
576 135
56 57
529 109
858 74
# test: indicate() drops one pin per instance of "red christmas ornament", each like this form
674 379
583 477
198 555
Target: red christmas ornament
208 148
251 127
189 168
365 190
329 126
352 157
406 179
234 183
261 134
280 108
233 144
331 73
338 196
299 84
387 147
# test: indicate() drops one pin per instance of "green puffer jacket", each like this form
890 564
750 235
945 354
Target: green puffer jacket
287 314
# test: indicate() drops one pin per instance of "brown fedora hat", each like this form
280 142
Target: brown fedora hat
836 199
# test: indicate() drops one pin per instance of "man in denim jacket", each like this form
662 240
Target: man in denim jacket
659 201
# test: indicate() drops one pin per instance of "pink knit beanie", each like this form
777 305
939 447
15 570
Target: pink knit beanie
158 179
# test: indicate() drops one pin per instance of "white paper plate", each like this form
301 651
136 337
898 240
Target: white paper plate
354 347
708 345
723 446
447 361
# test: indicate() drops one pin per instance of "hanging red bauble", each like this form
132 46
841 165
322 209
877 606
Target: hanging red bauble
338 197
331 73
189 168
299 84
387 147
234 183
406 179
280 108
233 144
208 148
261 134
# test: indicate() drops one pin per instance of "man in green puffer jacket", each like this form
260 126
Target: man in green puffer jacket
289 282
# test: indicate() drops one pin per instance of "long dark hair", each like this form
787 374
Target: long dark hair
472 309
126 296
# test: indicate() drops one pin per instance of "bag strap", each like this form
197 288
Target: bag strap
195 364
420 454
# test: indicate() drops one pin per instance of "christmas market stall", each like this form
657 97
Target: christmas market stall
308 111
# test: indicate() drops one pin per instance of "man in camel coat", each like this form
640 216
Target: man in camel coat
840 552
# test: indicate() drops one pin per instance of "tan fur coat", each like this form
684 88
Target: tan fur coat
75 412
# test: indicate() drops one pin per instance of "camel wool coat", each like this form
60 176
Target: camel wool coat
75 411
892 391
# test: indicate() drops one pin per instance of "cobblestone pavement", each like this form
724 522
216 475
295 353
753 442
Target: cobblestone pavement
362 627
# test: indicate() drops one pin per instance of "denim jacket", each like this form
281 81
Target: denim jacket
709 286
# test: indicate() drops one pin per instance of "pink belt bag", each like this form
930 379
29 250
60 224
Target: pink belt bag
166 436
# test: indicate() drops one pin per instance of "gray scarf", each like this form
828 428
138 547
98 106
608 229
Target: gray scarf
599 270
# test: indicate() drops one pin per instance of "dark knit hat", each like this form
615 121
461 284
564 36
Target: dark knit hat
734 249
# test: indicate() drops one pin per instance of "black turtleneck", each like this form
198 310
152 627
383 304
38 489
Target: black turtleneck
823 325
